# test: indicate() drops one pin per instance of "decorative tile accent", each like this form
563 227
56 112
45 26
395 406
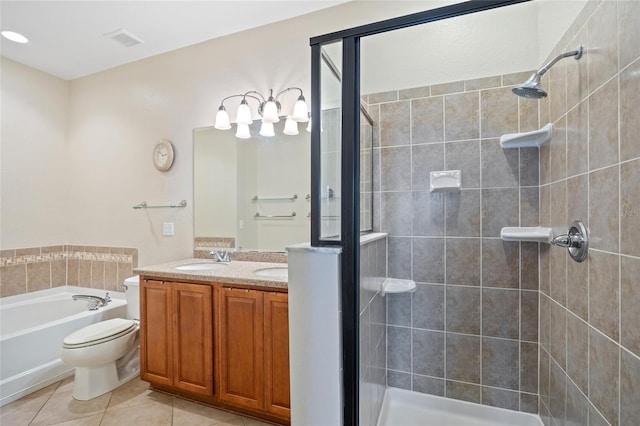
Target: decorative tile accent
38 268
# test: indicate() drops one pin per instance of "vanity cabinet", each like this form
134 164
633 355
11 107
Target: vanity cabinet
254 350
176 335
276 354
241 347
221 344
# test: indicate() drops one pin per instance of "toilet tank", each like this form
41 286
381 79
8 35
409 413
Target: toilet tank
132 292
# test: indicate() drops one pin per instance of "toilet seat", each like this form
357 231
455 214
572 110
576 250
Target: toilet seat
101 332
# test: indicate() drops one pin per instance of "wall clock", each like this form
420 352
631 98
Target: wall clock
163 155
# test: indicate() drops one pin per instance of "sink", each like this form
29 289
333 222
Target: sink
276 272
201 266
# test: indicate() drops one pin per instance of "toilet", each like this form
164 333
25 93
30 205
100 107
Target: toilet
106 354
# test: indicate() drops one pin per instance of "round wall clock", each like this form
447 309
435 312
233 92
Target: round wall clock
163 155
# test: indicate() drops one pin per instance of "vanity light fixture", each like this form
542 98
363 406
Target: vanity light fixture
268 108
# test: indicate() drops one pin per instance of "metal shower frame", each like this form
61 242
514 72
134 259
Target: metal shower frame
350 172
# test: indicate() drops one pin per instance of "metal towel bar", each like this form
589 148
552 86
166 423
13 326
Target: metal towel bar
144 205
289 198
287 216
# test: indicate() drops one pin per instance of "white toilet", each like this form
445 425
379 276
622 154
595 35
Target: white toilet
106 354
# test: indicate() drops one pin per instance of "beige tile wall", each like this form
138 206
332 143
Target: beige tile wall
30 269
373 314
470 331
590 311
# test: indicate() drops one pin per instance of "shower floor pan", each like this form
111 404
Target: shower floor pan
405 408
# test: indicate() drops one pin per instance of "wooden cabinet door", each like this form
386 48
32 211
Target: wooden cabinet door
156 332
193 338
241 348
276 354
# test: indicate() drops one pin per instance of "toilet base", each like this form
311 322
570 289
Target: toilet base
91 382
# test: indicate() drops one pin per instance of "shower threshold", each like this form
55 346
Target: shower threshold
405 408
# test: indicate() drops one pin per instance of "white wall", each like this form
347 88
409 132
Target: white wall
33 167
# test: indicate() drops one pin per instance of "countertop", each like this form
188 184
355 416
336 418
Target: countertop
234 272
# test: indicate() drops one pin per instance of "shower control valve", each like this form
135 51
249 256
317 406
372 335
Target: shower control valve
576 241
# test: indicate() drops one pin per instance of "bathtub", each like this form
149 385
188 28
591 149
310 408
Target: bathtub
32 328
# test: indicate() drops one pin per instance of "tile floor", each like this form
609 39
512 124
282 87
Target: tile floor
131 404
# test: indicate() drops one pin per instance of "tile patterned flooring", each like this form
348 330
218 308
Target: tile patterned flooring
131 404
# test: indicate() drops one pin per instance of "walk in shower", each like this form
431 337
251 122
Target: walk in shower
492 322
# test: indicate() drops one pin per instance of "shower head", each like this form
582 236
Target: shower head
532 88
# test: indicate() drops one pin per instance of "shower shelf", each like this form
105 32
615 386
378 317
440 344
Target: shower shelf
532 139
395 285
536 234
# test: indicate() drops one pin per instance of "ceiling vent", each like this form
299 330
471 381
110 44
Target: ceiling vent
123 37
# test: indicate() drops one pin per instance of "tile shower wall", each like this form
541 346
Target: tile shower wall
373 354
38 268
470 331
590 311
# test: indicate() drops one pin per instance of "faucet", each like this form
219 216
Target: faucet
220 255
93 302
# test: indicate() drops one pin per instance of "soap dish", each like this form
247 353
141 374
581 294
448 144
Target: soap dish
445 181
396 285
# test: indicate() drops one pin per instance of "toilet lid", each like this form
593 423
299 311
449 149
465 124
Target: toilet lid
99 332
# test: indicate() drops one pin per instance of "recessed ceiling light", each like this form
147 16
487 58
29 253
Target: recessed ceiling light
14 36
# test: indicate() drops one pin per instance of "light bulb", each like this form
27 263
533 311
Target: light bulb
222 119
270 112
300 110
242 132
290 127
266 129
243 115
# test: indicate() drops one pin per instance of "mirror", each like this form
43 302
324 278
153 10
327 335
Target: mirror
251 193
246 191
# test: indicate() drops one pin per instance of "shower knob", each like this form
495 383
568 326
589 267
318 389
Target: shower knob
576 241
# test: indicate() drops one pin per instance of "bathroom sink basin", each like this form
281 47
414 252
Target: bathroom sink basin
273 272
201 266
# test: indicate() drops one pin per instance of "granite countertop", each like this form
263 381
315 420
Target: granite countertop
234 272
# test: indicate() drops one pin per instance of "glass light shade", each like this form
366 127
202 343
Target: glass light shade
300 111
270 112
243 115
222 119
309 125
266 129
290 127
242 132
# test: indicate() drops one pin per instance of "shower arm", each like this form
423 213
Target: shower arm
577 53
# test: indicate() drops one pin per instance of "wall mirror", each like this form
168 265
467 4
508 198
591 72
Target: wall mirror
251 193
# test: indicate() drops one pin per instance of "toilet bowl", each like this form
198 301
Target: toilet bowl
106 354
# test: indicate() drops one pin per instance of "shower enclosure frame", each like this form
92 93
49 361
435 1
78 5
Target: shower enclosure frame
349 240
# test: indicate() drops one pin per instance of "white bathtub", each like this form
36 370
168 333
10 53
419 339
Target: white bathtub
32 328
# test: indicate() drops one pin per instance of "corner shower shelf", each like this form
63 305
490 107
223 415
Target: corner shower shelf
395 285
532 139
536 234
